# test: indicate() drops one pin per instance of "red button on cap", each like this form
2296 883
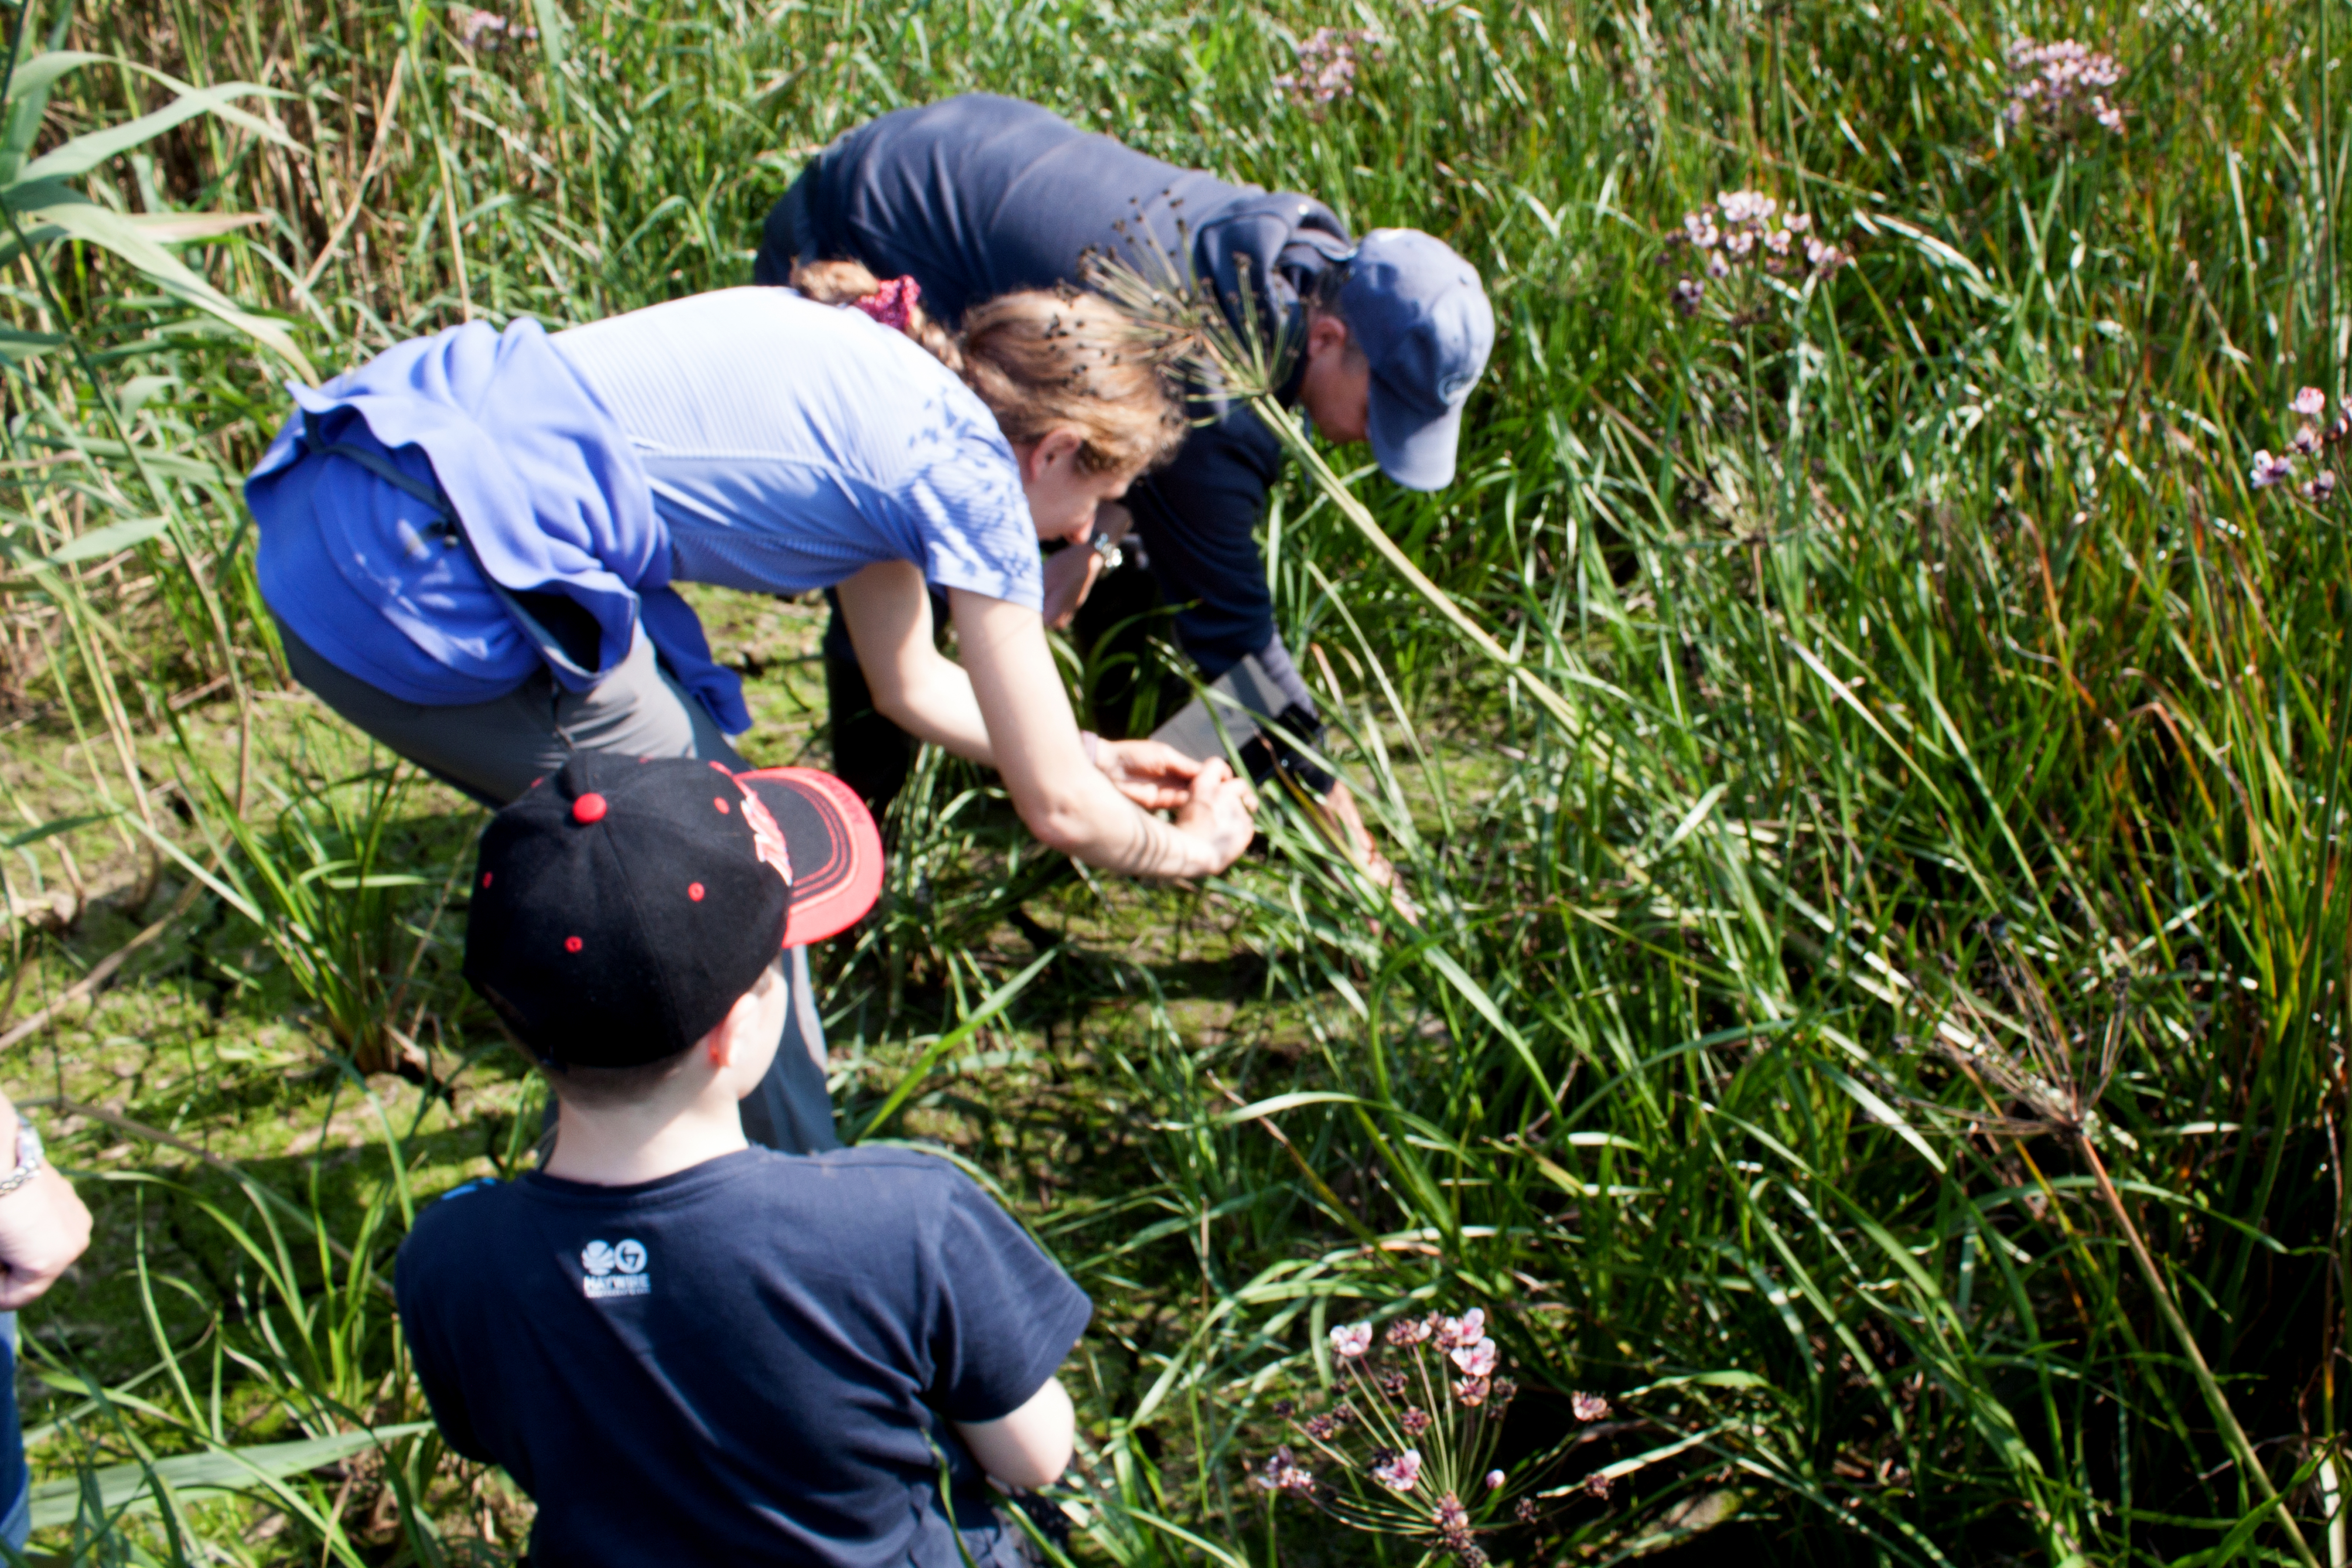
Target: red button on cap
693 891
588 808
572 944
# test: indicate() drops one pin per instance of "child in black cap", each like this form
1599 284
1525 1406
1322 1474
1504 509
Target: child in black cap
687 1349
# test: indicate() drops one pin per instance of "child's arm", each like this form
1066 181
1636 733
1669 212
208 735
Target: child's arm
1029 1448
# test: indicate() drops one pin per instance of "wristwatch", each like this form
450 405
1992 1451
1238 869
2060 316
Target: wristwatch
1106 547
28 1159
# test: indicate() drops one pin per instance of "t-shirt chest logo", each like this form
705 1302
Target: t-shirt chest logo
615 1269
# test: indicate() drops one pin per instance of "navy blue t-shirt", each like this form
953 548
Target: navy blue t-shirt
978 195
748 1361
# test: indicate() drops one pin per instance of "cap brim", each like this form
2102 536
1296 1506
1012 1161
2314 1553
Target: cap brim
1412 447
836 849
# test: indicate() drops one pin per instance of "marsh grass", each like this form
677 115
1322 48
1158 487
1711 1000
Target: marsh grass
1901 633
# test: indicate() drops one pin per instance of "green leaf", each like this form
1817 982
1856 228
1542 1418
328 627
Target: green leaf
29 100
218 1469
51 828
103 542
85 152
49 211
1445 964
16 347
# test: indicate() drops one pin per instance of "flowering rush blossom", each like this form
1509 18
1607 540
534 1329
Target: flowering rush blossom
1742 228
1399 1472
1327 64
2057 82
1477 1360
1588 1406
2310 440
1283 1473
1412 1425
474 24
1465 1330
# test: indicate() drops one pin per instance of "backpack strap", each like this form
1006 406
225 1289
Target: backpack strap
572 651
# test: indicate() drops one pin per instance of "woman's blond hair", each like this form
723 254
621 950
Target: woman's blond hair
1043 360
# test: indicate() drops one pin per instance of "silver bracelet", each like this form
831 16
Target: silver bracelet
28 1159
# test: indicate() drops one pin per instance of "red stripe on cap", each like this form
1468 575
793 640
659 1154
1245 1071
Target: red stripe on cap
844 874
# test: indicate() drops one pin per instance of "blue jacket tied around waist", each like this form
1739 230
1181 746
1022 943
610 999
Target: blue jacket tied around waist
551 496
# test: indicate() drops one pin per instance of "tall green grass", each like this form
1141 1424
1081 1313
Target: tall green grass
1930 692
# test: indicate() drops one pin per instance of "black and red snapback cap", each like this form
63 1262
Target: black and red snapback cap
622 907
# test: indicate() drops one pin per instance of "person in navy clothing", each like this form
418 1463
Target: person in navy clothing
978 194
686 1348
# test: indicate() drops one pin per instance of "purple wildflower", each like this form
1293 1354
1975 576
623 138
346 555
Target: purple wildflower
1283 1473
2057 81
1401 1473
1412 1330
1477 1360
1327 64
2269 470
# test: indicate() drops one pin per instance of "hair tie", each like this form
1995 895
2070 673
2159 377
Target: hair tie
893 304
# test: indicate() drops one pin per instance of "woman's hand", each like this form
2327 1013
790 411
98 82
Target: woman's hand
1156 777
1217 813
1069 577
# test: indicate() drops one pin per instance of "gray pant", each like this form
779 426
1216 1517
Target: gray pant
495 750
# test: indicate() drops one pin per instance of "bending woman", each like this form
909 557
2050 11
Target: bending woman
469 545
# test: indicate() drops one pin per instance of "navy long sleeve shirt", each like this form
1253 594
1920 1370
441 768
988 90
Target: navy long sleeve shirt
979 196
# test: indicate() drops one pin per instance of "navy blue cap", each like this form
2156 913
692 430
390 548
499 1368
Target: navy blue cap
1420 316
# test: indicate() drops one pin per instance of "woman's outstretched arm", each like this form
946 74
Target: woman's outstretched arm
916 686
1066 800
1005 706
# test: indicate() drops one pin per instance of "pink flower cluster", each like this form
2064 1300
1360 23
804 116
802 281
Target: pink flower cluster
474 24
1327 64
2309 441
2058 80
1748 227
1391 1422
